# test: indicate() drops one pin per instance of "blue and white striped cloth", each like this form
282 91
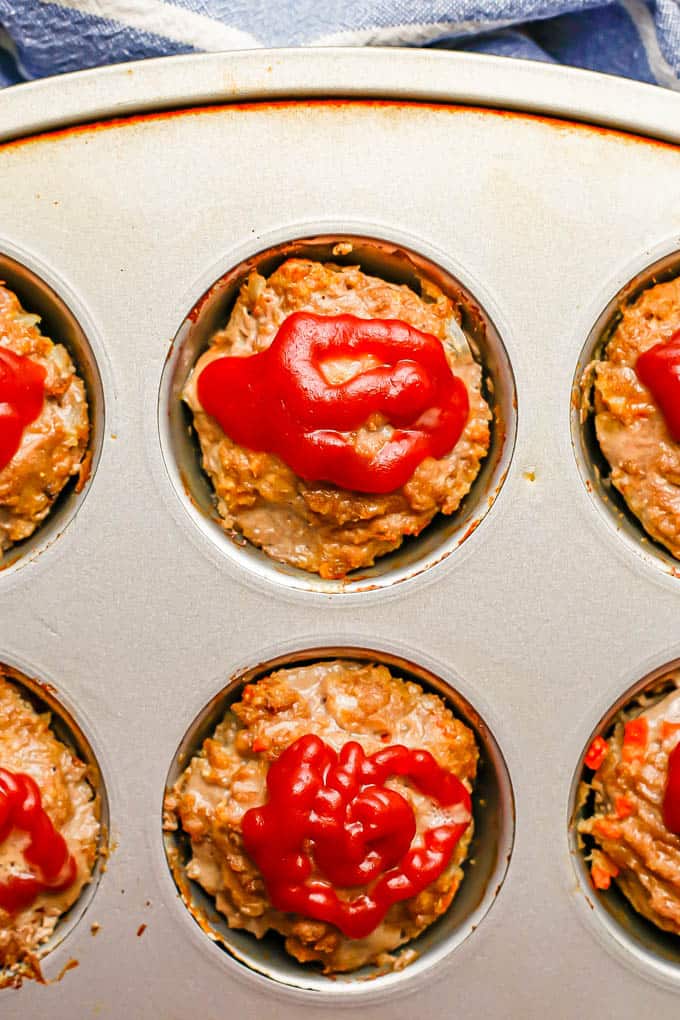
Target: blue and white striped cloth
635 38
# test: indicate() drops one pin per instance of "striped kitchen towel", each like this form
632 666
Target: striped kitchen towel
635 38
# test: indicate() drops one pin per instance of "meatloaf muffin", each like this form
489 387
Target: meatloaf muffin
53 447
630 427
630 786
340 702
317 526
28 747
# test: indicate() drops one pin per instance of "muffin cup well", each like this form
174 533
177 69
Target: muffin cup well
44 698
60 324
638 942
484 868
592 465
399 260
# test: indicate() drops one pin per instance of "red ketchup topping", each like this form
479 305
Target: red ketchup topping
671 797
659 370
53 868
22 391
279 401
332 812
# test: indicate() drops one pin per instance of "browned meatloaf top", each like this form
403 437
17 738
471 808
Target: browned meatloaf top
317 526
53 447
632 433
339 701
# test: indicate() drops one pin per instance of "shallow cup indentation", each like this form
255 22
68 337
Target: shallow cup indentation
395 261
650 950
43 698
591 463
60 324
484 869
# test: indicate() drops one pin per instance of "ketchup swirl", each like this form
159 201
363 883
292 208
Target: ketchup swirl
53 867
331 812
659 370
279 401
22 391
671 797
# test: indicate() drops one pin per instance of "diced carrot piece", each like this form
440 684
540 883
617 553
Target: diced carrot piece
668 729
607 829
259 744
601 878
634 739
635 732
623 807
596 753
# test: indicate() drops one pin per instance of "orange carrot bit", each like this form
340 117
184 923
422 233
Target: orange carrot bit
259 744
634 739
623 807
668 729
607 829
601 878
602 870
596 753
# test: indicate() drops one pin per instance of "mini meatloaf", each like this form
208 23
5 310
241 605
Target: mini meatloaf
339 701
317 526
53 447
633 845
29 747
631 431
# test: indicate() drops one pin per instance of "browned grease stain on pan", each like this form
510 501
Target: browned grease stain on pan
391 105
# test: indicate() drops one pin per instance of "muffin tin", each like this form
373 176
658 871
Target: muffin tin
488 856
388 258
537 622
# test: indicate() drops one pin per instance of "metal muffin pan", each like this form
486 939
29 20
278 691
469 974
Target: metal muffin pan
538 620
393 259
485 866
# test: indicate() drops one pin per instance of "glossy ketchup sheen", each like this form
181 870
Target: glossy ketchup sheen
280 402
49 865
659 370
22 392
331 823
671 797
